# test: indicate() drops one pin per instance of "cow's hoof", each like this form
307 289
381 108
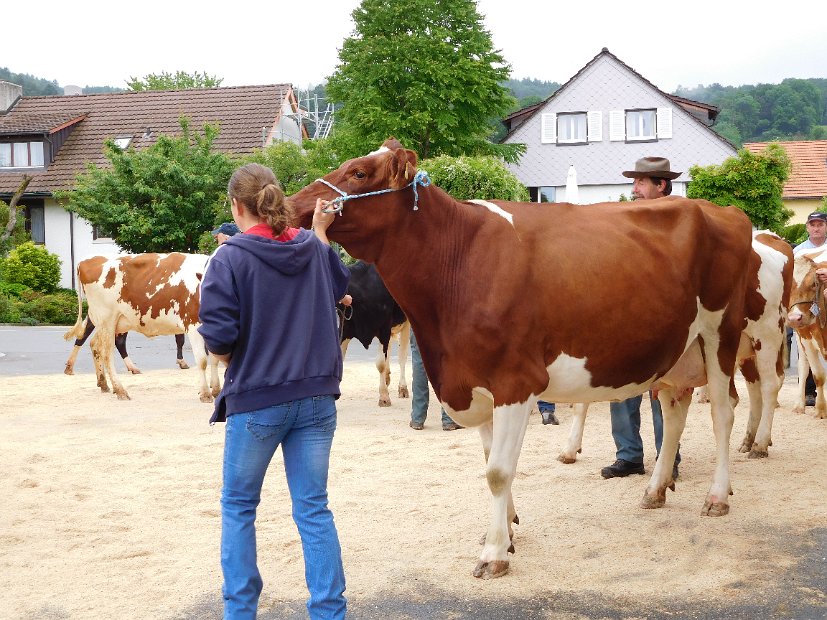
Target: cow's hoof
653 501
206 398
714 509
798 409
565 458
821 415
182 364
122 396
68 370
403 392
384 402
490 570
755 453
135 370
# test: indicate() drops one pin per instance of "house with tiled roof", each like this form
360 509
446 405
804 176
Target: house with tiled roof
51 139
600 122
805 190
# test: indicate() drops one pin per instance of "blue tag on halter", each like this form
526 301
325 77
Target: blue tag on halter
814 309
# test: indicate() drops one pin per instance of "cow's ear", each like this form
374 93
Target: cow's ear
402 168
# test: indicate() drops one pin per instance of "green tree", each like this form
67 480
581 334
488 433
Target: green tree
159 199
425 72
296 166
180 80
751 181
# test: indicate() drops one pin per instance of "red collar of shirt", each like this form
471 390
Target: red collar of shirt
263 230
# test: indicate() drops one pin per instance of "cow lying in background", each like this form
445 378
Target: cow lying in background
808 317
374 314
760 356
120 345
153 294
511 302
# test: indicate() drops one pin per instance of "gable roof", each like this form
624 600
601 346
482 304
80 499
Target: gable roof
808 178
245 115
703 113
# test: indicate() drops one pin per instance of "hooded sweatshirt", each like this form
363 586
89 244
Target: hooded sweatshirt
272 305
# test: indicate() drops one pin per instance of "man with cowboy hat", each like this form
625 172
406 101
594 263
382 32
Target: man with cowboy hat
653 179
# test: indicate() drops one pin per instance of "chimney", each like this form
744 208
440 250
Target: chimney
9 94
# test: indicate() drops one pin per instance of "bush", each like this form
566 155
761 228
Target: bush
12 289
794 233
59 308
33 266
9 309
468 178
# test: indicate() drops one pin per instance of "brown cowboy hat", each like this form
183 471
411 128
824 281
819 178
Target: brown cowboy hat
651 167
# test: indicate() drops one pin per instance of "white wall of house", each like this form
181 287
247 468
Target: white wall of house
590 194
602 87
287 129
65 232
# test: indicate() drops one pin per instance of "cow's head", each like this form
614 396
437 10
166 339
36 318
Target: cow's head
363 218
807 300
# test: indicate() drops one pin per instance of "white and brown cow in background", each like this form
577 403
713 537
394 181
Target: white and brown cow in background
808 317
761 353
153 294
511 302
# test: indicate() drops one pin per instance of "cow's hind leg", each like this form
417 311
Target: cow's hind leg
674 405
575 442
404 343
199 352
384 374
103 341
509 426
120 345
179 352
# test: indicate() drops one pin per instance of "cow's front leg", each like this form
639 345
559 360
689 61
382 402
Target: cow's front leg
575 442
803 371
384 370
507 432
723 416
674 406
404 345
199 353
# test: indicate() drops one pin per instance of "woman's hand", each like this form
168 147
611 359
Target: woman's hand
322 220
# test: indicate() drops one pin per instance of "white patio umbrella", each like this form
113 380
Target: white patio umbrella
572 191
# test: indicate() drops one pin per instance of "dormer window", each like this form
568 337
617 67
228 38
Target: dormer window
21 155
123 143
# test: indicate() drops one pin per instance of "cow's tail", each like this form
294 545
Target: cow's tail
79 327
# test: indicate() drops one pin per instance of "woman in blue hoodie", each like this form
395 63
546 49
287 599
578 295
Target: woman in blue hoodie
268 309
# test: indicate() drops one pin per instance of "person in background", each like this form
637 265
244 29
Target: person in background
652 179
547 412
816 238
224 232
422 394
268 310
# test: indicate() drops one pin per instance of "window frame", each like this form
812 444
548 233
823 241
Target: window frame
654 120
582 123
14 151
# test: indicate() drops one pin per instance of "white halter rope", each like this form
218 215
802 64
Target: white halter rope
420 179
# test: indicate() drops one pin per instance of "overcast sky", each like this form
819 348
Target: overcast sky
97 43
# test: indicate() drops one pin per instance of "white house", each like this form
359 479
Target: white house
601 121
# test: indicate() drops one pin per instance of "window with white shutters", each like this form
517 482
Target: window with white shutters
640 125
549 129
664 123
571 128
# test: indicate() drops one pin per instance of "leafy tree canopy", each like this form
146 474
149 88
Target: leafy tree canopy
158 199
32 86
751 181
180 80
422 71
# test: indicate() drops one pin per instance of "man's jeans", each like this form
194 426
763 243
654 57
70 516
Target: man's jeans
304 429
419 386
626 428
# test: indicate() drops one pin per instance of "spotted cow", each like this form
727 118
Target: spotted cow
511 302
808 317
374 314
761 354
153 294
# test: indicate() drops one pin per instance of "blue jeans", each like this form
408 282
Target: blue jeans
419 386
304 429
544 406
626 428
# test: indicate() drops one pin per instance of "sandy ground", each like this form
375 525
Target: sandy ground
110 510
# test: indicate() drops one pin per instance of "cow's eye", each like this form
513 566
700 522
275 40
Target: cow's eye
359 174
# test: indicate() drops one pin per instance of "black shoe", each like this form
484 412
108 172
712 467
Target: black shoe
621 469
453 426
810 400
549 417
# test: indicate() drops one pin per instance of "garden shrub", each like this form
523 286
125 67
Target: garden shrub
32 265
468 178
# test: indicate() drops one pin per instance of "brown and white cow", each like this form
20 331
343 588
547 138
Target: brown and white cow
760 356
153 294
808 316
374 314
511 302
